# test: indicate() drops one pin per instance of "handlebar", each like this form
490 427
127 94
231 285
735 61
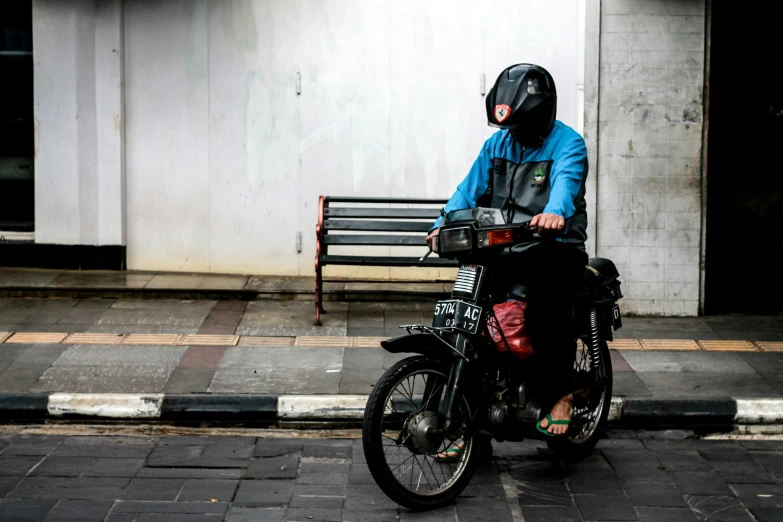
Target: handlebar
472 238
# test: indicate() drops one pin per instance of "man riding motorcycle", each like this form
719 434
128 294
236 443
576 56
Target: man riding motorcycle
534 169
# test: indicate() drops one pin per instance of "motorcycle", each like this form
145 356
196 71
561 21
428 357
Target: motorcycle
458 390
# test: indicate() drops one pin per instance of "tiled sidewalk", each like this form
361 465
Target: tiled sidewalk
164 363
226 346
268 318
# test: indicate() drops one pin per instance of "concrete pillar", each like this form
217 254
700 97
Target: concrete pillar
650 146
590 132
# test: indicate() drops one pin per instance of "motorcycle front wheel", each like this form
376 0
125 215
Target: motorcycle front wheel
399 419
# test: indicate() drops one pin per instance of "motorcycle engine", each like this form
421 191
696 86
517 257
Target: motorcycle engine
508 414
504 414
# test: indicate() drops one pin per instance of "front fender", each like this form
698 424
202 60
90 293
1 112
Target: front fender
425 344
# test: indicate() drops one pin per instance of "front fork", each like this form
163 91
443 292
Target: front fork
449 407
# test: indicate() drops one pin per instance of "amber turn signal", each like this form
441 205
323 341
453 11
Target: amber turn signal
499 237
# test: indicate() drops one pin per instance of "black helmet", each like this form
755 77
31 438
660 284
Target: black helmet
524 101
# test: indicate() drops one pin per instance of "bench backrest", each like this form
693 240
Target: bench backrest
405 225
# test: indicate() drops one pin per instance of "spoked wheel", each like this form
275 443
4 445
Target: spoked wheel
402 435
591 404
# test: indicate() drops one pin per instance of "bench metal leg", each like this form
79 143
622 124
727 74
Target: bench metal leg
319 308
319 283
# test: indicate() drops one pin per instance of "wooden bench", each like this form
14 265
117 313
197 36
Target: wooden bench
350 221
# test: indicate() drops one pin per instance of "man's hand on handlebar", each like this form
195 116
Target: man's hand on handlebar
547 223
430 238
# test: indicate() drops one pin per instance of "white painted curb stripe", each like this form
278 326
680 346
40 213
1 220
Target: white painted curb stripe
759 411
321 406
352 407
119 406
615 409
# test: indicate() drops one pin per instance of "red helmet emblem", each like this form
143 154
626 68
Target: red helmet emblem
502 112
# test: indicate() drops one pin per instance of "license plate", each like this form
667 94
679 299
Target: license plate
617 320
457 314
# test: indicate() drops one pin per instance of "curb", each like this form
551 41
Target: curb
339 410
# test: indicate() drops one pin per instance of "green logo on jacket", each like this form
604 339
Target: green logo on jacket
539 176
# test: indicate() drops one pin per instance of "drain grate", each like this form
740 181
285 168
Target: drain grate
314 341
37 338
156 339
209 340
728 346
93 338
669 344
265 341
769 346
625 344
368 342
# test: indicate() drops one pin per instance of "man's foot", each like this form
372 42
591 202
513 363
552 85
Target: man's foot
453 453
561 411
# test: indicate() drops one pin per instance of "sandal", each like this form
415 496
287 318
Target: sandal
551 422
447 458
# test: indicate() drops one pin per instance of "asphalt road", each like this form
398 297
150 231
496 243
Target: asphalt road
156 478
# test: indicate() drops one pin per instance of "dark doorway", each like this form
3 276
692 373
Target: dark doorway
744 170
17 142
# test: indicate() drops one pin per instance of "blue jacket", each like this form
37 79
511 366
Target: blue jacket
526 182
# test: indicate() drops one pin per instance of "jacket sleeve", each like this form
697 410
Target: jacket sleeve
475 183
567 178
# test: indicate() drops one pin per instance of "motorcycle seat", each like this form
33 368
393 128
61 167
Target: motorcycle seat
600 272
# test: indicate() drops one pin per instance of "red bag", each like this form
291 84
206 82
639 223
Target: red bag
511 318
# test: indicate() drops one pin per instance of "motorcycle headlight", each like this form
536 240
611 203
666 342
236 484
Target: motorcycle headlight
455 240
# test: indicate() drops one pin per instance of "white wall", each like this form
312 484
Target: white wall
78 122
167 140
253 136
225 162
176 127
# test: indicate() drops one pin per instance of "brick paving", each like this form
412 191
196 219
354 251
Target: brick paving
236 478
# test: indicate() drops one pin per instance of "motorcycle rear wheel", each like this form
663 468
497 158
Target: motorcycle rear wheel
420 482
591 409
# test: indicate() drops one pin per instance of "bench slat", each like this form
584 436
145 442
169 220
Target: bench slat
377 226
366 239
385 261
422 201
389 213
